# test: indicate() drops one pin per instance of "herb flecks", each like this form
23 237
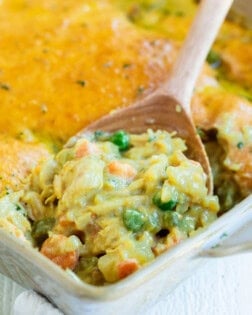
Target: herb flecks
140 89
126 65
44 108
81 82
5 87
214 59
180 13
108 64
18 207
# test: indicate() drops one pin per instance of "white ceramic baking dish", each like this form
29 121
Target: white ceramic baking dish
135 294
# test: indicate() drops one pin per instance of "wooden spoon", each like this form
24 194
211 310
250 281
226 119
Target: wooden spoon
168 108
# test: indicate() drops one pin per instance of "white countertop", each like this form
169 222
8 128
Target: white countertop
221 287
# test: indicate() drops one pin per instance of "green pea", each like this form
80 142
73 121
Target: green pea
41 228
167 205
133 220
121 139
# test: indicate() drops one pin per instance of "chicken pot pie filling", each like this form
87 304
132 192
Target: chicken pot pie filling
111 203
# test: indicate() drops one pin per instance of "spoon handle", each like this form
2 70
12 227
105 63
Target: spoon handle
210 16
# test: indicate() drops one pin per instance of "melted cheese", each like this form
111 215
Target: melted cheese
66 63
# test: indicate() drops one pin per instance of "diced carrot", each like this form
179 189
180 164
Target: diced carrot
127 267
52 249
86 148
123 170
68 260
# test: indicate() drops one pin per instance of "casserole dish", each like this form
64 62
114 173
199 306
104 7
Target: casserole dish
72 296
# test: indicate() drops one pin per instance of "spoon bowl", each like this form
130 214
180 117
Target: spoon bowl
158 112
